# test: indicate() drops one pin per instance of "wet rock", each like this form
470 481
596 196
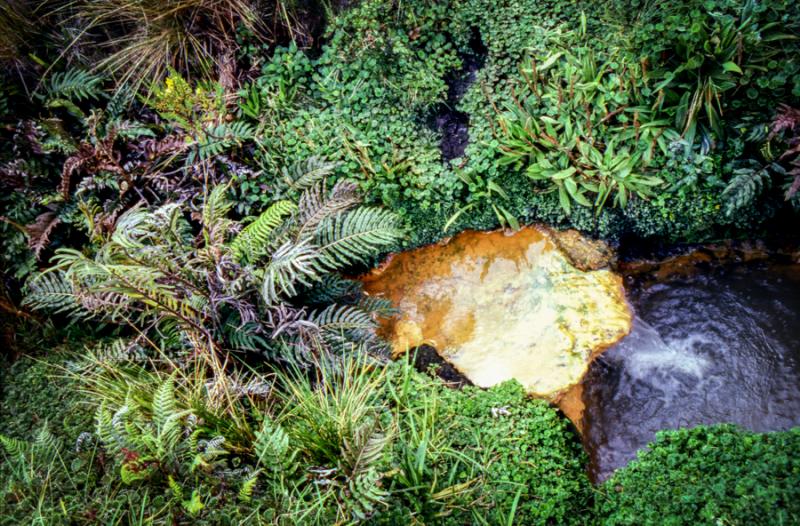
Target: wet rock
426 359
586 254
499 306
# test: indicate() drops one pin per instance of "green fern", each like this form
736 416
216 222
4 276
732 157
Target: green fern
291 266
248 487
304 175
352 237
748 183
217 139
73 85
254 241
363 494
272 446
15 448
54 293
340 318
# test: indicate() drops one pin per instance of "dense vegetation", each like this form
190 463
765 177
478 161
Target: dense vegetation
185 182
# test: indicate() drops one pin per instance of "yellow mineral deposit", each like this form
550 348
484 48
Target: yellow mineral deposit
501 306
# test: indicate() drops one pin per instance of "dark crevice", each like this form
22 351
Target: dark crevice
453 125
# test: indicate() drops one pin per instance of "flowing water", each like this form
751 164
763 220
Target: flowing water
719 347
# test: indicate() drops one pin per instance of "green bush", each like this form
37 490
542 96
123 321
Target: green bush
505 458
708 475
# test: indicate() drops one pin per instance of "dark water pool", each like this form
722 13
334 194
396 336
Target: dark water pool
718 347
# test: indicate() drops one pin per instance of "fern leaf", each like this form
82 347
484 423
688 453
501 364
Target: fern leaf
304 175
364 449
74 85
747 184
363 494
52 292
217 139
354 236
248 486
15 448
104 429
254 241
164 406
316 204
292 265
331 288
340 318
271 445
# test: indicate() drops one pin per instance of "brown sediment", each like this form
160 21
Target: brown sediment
697 259
499 306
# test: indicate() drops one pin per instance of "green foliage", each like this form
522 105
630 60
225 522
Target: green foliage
708 475
583 126
460 457
152 274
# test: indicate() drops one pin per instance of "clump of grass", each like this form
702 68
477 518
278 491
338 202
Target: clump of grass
147 37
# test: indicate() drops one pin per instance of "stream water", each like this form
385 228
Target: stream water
719 347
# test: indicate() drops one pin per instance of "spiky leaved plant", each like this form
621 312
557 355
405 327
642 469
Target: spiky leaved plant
207 296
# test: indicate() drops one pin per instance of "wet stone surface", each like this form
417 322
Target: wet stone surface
499 306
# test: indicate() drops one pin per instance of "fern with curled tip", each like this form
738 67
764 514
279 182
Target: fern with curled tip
354 236
256 238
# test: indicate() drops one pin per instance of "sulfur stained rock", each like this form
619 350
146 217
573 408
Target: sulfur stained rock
583 253
499 306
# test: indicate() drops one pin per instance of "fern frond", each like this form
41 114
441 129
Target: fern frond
354 236
105 431
45 442
364 449
292 265
216 139
303 175
248 487
215 212
341 318
331 288
244 337
54 293
317 204
271 445
364 493
15 448
254 241
164 406
74 85
747 184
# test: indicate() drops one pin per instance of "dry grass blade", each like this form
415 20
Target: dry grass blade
147 37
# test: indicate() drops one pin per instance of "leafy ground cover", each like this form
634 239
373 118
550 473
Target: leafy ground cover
184 182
